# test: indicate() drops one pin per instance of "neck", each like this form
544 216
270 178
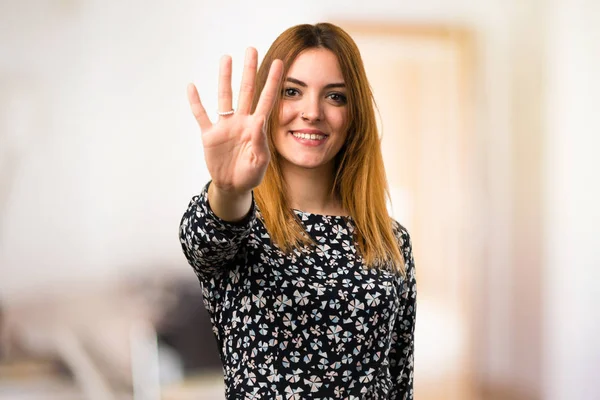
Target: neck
310 190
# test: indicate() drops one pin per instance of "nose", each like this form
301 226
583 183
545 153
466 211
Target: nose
312 110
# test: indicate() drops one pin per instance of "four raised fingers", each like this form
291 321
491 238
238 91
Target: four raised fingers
267 96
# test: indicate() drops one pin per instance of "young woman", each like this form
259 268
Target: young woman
309 284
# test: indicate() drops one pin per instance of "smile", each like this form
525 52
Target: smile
311 139
309 136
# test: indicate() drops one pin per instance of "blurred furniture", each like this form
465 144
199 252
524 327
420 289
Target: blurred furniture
108 341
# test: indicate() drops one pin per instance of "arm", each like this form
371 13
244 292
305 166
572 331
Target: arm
402 346
237 153
209 242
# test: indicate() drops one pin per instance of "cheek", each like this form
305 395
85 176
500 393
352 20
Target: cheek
286 113
339 119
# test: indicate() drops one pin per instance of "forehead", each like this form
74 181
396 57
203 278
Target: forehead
317 64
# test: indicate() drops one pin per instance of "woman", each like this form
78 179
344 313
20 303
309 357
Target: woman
309 283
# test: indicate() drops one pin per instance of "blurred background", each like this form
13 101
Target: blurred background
491 130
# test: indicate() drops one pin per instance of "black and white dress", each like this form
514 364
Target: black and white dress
314 323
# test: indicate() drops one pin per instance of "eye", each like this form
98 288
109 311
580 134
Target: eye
291 92
338 98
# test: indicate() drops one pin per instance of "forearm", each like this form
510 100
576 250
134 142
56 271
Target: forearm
209 242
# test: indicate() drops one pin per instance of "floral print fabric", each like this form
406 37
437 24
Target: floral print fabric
314 323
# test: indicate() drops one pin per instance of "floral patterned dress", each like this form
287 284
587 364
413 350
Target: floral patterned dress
314 323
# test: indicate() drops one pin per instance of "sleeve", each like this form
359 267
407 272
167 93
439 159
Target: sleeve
210 243
403 344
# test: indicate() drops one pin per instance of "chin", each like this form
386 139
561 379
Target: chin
308 164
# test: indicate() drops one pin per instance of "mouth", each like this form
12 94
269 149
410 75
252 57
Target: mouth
312 135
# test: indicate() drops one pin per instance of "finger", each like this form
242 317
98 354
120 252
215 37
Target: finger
270 91
248 79
225 84
197 108
259 132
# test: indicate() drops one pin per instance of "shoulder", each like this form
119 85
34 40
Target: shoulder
402 235
405 245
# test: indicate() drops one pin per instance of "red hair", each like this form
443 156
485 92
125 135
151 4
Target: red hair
360 180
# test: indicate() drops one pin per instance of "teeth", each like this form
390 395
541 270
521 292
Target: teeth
311 136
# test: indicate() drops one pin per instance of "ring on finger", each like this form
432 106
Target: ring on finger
224 113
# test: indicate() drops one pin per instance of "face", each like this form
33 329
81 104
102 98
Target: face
313 112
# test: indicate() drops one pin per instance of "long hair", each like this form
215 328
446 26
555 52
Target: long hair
360 180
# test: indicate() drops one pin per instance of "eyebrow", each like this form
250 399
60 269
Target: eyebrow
328 86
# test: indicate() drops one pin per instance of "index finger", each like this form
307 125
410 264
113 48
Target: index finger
269 92
225 84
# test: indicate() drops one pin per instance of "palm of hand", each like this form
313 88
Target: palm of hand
235 147
237 153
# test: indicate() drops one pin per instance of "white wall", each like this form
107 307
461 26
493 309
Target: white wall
572 319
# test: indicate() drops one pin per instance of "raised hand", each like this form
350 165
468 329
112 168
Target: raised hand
236 149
